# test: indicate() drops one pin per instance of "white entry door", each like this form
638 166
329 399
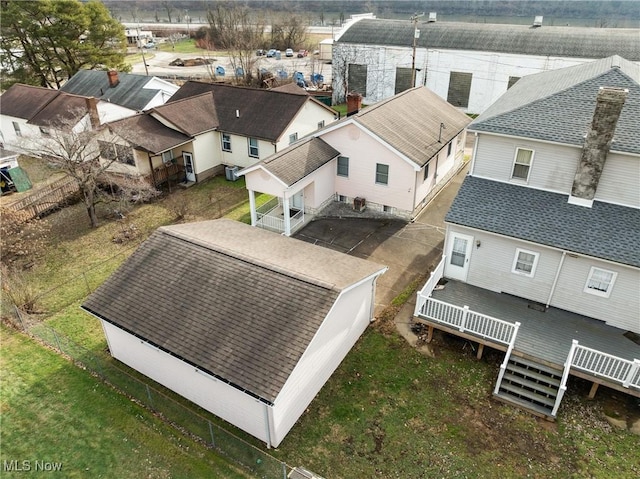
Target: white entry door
188 166
297 201
458 254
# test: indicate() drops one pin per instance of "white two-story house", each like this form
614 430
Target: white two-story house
542 249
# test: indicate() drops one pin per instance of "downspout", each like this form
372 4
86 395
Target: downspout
473 156
267 426
555 280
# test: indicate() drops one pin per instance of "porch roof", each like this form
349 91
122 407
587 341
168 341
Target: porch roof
544 335
605 231
148 134
298 160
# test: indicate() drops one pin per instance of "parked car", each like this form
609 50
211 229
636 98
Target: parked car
288 52
302 53
149 45
271 53
260 52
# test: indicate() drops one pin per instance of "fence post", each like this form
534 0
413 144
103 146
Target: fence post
463 320
213 440
632 372
149 396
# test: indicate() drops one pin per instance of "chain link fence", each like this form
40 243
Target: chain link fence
92 355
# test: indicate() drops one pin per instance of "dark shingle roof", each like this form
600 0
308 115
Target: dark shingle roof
129 92
558 105
193 115
63 111
605 231
148 134
261 114
24 101
410 123
574 42
297 161
255 299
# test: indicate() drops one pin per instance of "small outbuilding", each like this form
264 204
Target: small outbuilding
246 323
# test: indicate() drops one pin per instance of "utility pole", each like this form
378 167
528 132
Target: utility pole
416 35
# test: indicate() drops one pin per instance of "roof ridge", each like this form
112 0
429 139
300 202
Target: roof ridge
248 259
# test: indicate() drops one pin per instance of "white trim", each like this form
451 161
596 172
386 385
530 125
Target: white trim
574 200
516 259
596 292
260 166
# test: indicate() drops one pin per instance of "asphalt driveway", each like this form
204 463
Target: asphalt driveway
407 249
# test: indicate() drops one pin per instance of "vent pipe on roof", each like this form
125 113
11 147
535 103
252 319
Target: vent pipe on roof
237 113
597 143
537 21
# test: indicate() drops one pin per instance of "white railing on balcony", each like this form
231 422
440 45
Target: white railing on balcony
268 207
615 369
429 286
466 320
270 216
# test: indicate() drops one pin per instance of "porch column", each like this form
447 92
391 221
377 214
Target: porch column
252 208
287 218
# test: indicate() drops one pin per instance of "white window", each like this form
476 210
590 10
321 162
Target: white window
226 142
343 199
320 124
387 208
45 131
426 172
525 262
167 156
600 282
382 174
253 148
343 166
16 128
293 137
449 148
522 164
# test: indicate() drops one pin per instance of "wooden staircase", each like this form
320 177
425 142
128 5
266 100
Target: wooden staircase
530 385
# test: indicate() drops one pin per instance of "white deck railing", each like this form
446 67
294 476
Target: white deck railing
429 286
615 369
269 216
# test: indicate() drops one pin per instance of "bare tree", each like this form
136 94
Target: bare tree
87 155
290 32
168 6
232 29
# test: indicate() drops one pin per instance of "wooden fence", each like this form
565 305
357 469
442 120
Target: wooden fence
46 199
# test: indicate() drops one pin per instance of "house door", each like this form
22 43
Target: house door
458 255
297 201
188 166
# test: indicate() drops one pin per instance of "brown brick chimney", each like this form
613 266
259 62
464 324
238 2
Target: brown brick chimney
354 103
92 108
113 78
597 143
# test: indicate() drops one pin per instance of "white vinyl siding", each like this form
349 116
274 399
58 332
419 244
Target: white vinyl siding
600 282
525 262
522 164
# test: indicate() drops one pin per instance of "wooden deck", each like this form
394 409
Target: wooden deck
543 335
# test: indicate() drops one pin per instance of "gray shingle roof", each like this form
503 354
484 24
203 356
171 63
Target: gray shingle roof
148 134
129 93
237 302
24 101
297 161
410 122
193 115
605 231
574 42
558 105
261 114
63 111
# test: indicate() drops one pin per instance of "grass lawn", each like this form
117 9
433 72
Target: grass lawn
55 412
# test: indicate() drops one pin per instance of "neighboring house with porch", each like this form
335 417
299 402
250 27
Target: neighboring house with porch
387 159
542 252
245 323
208 127
469 64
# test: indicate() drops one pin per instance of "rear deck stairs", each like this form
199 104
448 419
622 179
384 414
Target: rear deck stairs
530 385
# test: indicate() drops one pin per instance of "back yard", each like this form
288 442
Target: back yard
388 411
